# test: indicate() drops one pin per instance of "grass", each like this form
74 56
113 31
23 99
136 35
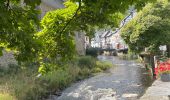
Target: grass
6 96
24 85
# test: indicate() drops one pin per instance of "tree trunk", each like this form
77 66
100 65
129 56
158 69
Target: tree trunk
168 50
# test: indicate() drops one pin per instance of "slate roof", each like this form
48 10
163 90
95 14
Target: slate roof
105 34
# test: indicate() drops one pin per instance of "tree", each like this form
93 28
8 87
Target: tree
18 24
85 15
149 29
58 26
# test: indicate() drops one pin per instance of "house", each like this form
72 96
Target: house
103 39
107 38
105 42
98 41
116 41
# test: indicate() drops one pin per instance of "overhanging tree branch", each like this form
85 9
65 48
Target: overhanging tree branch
7 4
76 13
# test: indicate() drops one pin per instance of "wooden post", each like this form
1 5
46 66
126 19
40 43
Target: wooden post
152 65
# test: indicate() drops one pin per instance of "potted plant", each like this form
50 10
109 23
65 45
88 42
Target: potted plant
165 76
163 70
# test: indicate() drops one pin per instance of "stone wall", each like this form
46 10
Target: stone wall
80 43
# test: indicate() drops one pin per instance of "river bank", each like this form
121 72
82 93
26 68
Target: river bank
25 83
158 91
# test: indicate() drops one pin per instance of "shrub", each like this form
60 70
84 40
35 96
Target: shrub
56 80
96 70
29 91
103 65
92 52
73 71
2 71
84 73
26 86
87 61
128 56
13 69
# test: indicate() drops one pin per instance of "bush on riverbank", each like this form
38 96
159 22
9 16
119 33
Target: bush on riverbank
101 65
128 56
87 61
24 85
93 51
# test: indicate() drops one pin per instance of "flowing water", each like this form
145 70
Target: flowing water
127 80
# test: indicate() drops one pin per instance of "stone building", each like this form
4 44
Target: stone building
80 42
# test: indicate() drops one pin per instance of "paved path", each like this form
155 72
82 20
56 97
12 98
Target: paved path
158 91
127 81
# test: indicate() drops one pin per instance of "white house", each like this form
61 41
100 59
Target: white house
103 39
111 39
97 41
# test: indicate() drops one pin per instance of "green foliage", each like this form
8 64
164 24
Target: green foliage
99 12
47 67
18 26
56 80
23 85
26 86
149 29
101 65
6 96
87 61
31 3
84 73
97 70
11 69
58 26
57 42
129 56
28 90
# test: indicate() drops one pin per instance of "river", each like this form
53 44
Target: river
126 80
